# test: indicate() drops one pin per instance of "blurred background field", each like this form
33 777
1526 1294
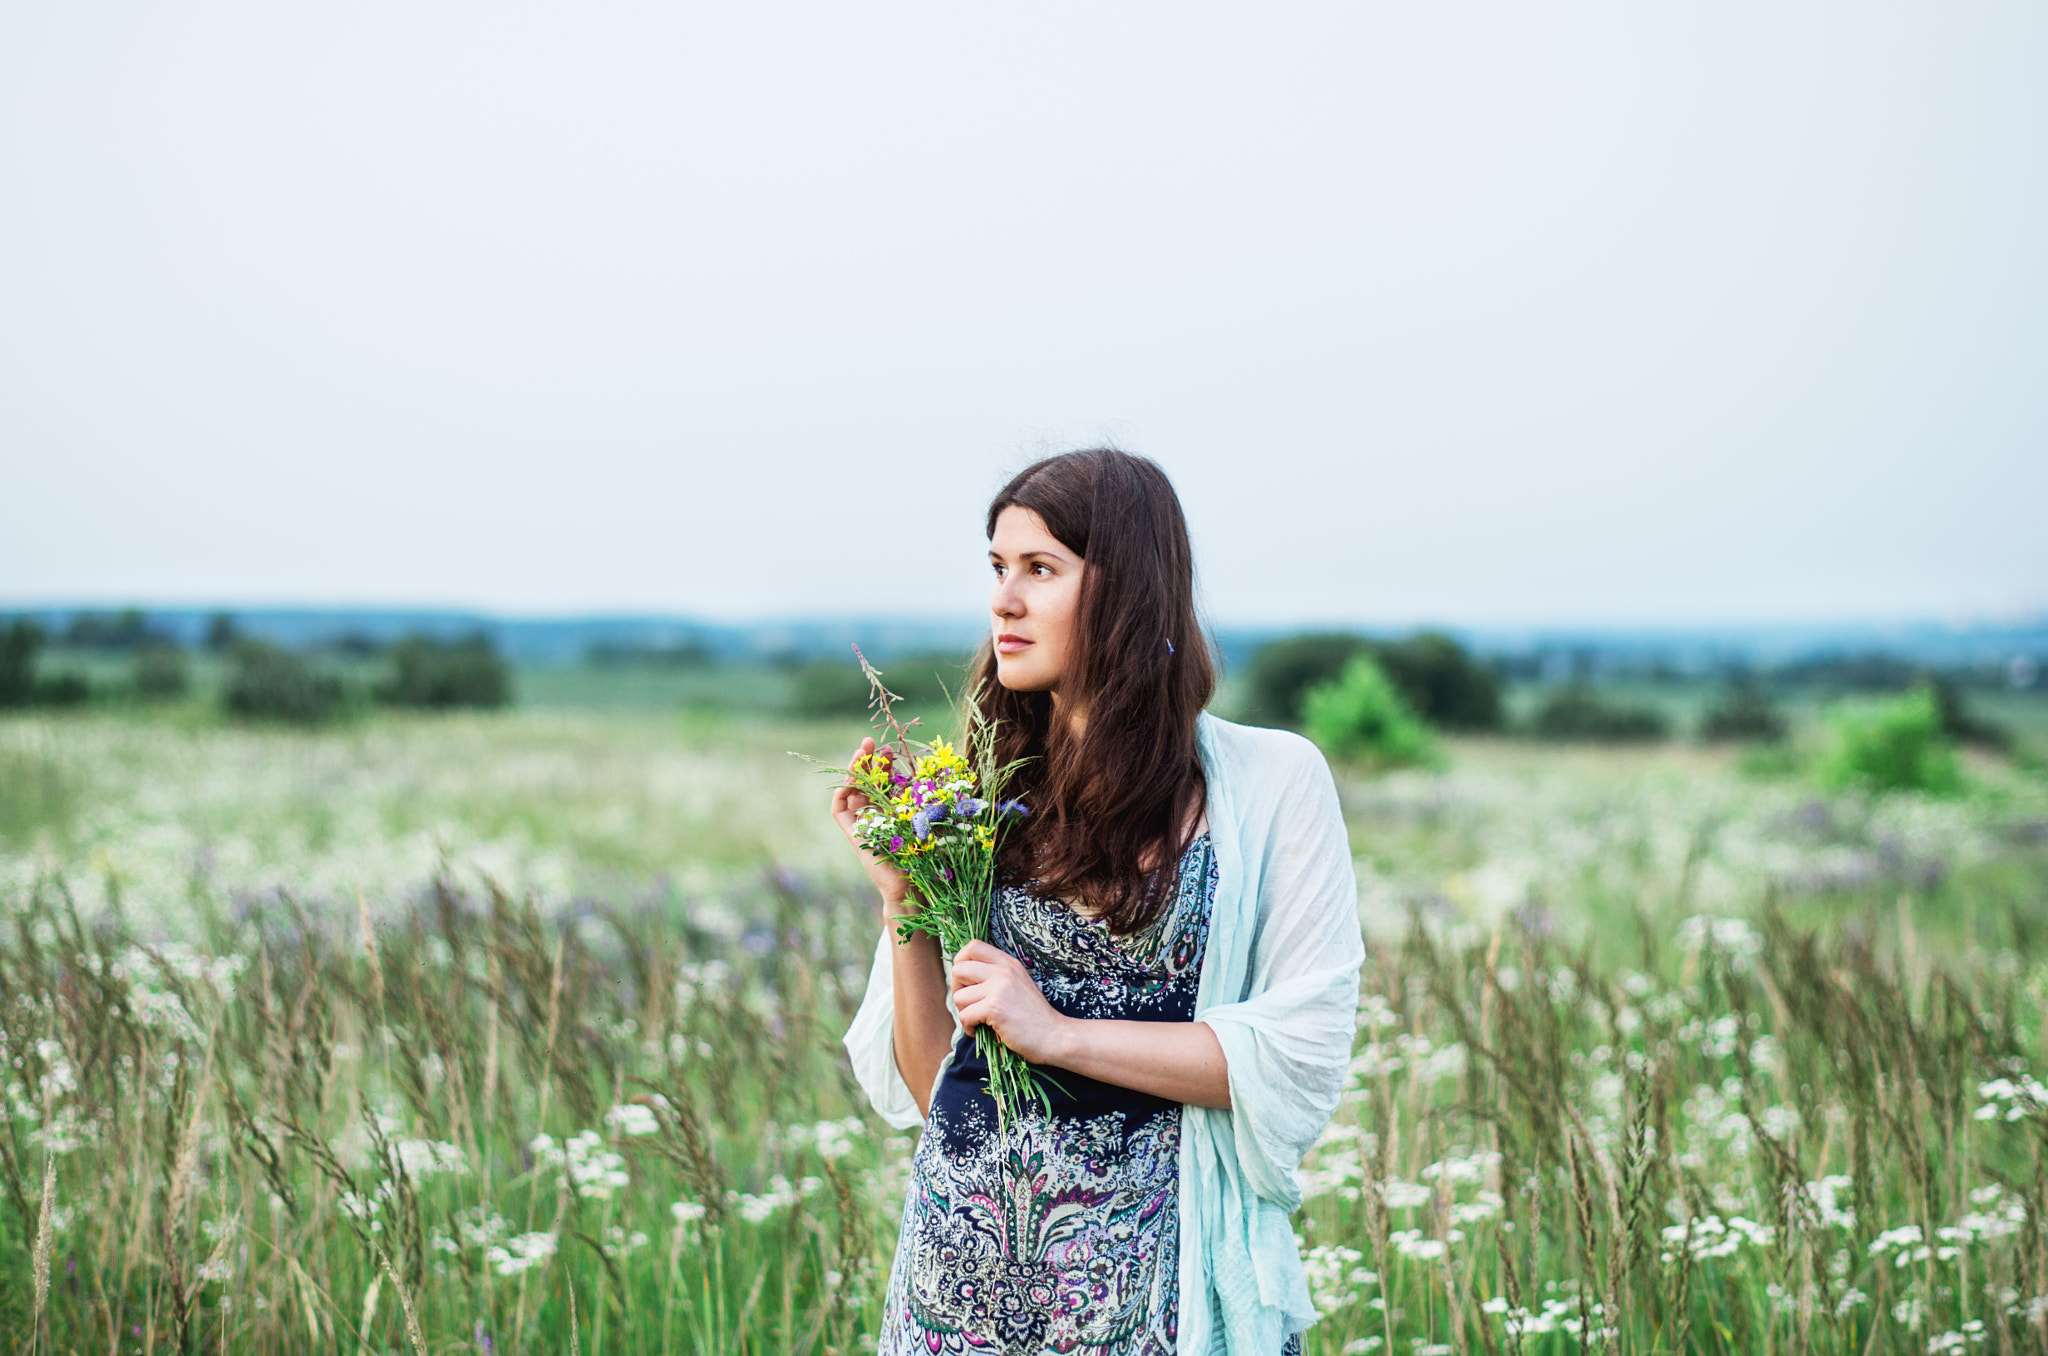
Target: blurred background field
478 990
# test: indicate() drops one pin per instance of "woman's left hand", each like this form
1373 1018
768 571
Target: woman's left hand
992 986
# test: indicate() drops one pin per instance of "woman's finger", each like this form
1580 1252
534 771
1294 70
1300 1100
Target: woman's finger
971 972
978 950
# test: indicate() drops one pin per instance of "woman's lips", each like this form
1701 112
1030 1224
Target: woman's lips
1009 644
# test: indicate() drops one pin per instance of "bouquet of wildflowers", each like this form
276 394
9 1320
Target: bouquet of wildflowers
937 813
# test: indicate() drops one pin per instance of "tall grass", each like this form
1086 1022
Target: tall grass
1646 1062
304 1132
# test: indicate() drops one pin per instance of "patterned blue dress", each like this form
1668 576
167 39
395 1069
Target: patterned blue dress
1063 1236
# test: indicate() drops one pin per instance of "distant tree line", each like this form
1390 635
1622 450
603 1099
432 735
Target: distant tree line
262 680
1368 696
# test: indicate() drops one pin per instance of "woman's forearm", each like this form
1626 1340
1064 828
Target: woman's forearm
1180 1061
923 1027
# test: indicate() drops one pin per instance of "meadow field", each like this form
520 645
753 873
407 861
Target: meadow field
518 1032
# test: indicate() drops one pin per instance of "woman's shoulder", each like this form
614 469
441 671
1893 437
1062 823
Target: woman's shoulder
1259 753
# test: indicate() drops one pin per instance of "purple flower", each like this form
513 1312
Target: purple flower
1013 807
896 843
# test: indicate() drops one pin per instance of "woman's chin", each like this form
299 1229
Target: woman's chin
1021 678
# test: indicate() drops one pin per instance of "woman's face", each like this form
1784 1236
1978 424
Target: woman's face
1036 601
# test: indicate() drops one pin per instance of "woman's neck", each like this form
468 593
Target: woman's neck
1069 714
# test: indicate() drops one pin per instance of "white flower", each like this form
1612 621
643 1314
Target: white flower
631 1118
527 1250
426 1157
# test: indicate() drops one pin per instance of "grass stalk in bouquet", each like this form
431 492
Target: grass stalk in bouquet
937 812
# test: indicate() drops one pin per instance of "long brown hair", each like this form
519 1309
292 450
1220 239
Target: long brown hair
1112 806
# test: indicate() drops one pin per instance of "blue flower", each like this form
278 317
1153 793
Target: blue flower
1013 807
967 807
921 824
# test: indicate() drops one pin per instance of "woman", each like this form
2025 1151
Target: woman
1175 944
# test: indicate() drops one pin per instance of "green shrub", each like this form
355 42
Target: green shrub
1896 745
1362 716
1437 676
1286 669
1743 711
1960 723
62 689
439 674
160 672
1577 712
1442 681
266 683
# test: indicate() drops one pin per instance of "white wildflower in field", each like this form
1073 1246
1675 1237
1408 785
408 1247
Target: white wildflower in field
521 1253
1335 1276
1906 1244
430 1157
481 1228
1828 1196
1730 936
1709 1236
1401 1195
687 1212
595 1171
779 1196
631 1118
363 1208
621 1242
834 1139
2011 1099
1413 1244
1478 1167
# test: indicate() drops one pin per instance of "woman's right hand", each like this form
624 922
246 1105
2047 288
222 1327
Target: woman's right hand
847 803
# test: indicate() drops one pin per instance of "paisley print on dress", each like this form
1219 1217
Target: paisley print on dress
1065 1236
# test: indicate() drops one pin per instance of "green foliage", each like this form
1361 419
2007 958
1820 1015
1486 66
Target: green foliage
267 683
438 674
1577 712
1442 681
823 691
1361 716
1894 745
1286 669
1437 676
160 672
1959 722
18 646
63 689
1744 711
123 630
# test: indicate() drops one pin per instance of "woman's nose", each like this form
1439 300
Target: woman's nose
1004 602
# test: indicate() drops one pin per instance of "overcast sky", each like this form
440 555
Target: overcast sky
1517 314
